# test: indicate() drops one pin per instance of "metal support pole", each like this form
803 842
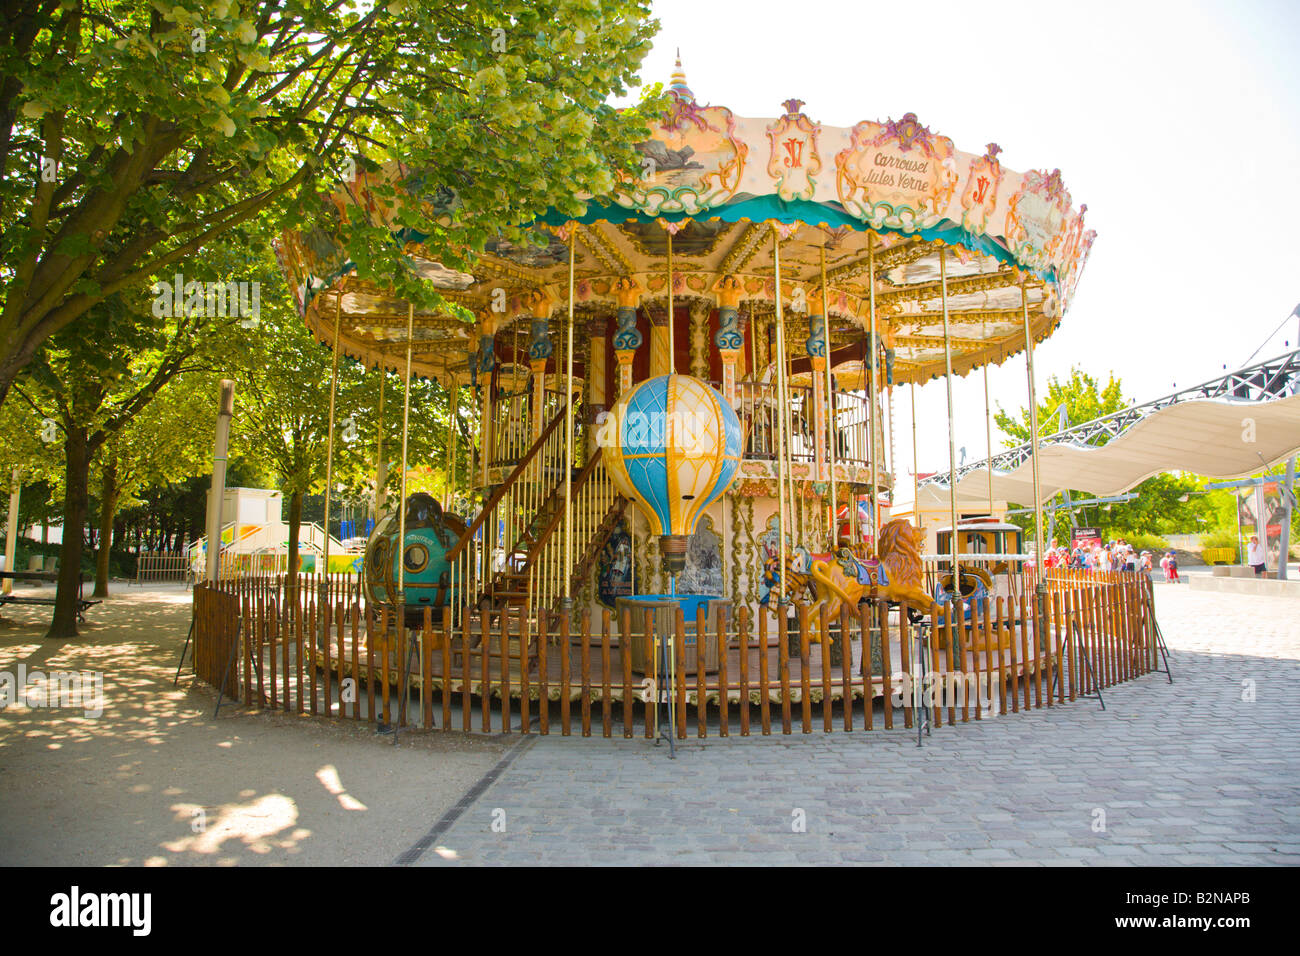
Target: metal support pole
399 599
568 425
988 429
381 466
225 412
1288 495
916 468
672 346
783 521
831 431
1040 567
952 438
329 451
455 435
871 434
11 538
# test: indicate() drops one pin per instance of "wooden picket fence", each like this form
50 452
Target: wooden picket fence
216 620
320 651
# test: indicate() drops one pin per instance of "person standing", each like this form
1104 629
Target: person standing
1173 568
1256 556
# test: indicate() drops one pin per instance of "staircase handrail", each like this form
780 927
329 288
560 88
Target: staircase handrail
490 505
540 541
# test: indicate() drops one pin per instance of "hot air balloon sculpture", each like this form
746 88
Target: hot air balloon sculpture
674 448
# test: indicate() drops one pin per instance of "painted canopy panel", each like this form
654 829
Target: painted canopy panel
889 192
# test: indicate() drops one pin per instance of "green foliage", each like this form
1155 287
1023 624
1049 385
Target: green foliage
281 424
1220 538
1081 396
1158 509
1145 542
167 126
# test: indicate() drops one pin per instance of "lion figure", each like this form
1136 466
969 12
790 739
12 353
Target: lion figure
895 574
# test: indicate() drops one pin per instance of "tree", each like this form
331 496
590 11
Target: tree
133 134
165 442
91 382
1082 398
1158 509
282 412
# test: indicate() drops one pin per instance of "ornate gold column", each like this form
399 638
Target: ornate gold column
486 359
627 337
699 313
597 387
540 350
660 355
729 339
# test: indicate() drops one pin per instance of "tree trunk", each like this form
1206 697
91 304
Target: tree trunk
76 473
107 507
295 523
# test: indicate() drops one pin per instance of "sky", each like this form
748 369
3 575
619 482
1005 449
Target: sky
1177 123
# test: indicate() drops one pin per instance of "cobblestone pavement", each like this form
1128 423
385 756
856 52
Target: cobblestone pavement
1189 773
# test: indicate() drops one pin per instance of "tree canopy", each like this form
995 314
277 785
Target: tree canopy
135 134
1159 508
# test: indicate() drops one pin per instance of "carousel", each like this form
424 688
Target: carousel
684 397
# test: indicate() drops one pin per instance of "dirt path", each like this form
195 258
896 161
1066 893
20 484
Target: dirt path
156 781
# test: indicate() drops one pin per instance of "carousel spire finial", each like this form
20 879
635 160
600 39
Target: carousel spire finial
677 83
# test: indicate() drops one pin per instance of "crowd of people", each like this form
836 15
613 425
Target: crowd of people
1116 555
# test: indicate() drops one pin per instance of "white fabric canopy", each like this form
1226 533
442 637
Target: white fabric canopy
1219 439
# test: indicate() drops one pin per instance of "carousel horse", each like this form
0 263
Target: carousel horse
894 575
976 585
796 571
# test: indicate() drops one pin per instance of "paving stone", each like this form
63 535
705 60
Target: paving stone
1187 773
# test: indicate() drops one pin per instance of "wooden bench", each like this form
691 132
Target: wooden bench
48 577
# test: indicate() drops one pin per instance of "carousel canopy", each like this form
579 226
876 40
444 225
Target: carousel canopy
886 201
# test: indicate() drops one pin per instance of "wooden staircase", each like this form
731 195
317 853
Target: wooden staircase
530 579
510 587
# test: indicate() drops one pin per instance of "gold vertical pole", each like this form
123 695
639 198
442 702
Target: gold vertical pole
672 346
1040 570
381 470
889 427
871 407
831 433
329 442
787 409
988 428
400 597
783 520
916 468
568 434
451 456
952 439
